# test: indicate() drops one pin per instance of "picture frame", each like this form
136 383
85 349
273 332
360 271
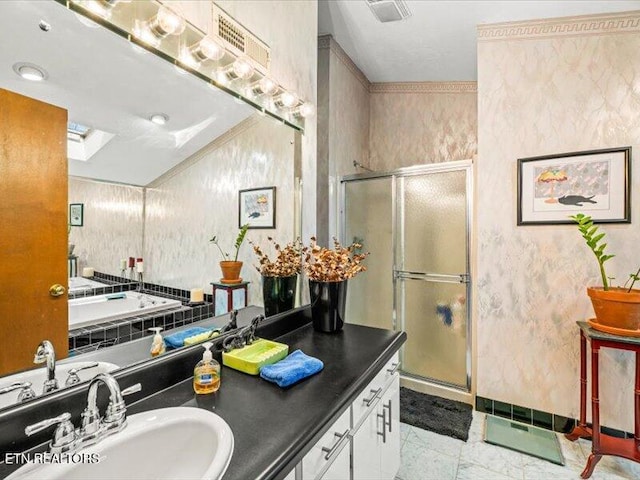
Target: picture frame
594 182
76 214
257 207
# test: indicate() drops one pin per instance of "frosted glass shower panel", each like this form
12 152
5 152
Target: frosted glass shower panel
435 319
433 221
369 220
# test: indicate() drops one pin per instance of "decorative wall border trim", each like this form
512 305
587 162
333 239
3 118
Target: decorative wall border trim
424 87
227 136
599 24
328 42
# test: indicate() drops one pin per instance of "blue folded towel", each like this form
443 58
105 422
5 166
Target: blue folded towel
291 369
176 340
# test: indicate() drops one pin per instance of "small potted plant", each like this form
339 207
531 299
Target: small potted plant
231 268
328 271
279 276
617 309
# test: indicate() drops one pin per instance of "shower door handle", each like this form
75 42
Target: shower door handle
432 277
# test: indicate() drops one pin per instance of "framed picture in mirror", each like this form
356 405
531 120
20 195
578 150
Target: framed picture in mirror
257 207
76 214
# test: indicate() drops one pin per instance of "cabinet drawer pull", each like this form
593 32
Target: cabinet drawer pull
394 368
383 434
388 406
341 438
369 401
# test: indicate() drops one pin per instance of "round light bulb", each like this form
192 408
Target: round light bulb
268 86
159 118
168 22
30 72
289 99
94 6
243 69
307 109
208 49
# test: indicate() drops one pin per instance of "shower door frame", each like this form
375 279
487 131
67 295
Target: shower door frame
459 165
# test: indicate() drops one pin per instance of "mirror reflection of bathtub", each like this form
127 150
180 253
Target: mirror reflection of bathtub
77 284
88 311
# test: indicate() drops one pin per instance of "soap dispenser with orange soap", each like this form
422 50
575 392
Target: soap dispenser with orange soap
206 375
158 346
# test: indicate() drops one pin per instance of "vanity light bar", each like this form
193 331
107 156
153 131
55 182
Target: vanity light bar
248 57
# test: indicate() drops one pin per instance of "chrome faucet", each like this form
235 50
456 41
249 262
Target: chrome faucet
26 392
46 353
94 428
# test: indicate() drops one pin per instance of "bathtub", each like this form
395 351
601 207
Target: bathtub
77 284
104 308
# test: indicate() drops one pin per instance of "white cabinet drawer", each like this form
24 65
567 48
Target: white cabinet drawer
373 391
324 452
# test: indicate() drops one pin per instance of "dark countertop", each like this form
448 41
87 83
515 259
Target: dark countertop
274 428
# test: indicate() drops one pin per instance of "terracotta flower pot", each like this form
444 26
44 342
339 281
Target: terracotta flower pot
230 271
616 308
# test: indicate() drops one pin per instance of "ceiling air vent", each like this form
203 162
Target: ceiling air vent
389 10
241 41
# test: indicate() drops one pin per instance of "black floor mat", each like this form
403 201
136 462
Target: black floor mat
440 415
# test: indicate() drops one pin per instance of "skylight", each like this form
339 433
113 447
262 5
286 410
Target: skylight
77 132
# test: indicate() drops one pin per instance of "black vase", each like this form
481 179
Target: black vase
278 294
328 301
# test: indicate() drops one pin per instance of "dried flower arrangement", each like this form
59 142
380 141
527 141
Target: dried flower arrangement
287 263
326 265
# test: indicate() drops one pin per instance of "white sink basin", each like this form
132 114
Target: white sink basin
38 375
170 443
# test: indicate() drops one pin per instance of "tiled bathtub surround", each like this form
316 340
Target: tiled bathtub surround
108 334
548 87
111 333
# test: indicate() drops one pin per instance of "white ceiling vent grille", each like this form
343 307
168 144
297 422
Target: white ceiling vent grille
240 40
389 10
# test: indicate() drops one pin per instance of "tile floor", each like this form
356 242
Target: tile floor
429 456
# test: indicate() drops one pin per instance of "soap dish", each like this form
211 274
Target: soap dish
251 358
201 337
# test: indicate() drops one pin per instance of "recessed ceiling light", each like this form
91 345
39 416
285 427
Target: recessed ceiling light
159 118
29 71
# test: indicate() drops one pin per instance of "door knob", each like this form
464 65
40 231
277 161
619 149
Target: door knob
56 290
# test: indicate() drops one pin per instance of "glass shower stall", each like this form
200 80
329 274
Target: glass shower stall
415 222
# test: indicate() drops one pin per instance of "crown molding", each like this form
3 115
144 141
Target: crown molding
226 137
424 87
328 42
583 25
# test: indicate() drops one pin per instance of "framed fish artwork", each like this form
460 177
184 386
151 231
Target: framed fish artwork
595 182
257 207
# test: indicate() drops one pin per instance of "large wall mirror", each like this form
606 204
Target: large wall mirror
156 158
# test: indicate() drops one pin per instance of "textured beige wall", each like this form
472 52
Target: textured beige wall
417 123
185 210
113 224
343 126
543 92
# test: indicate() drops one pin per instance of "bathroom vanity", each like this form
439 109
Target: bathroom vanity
345 417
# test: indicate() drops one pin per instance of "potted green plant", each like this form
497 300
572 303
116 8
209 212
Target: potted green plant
279 276
617 309
231 268
328 271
